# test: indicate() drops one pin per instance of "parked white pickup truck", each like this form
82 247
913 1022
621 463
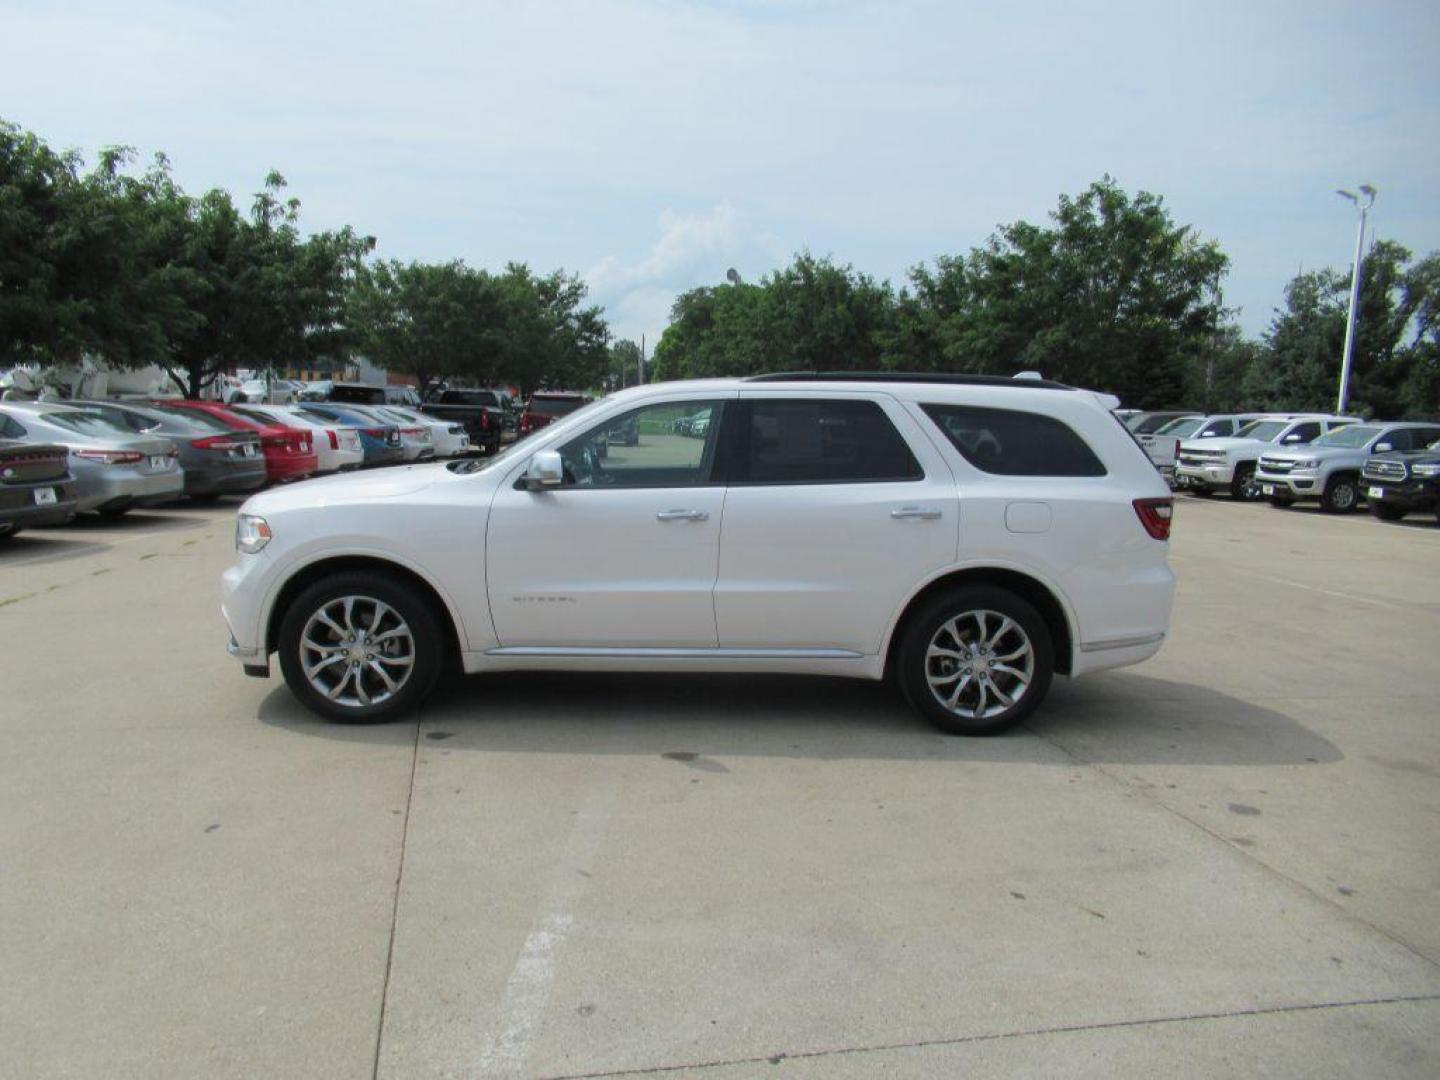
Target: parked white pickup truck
1228 464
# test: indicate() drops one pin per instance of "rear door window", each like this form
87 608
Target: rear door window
1008 442
816 441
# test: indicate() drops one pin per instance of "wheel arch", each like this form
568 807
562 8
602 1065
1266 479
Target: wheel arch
305 576
1042 597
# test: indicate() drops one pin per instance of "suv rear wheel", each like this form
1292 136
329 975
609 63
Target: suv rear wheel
976 660
1341 494
361 647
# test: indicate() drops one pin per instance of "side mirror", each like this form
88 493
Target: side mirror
545 470
1382 448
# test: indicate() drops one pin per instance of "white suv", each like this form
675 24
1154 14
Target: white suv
970 535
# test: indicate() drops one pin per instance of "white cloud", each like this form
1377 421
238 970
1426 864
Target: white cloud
691 250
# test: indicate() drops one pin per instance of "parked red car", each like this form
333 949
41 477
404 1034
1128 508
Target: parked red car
547 405
289 453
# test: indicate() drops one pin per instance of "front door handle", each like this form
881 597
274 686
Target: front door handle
682 515
924 513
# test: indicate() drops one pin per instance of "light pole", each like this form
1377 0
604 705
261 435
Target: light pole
1364 208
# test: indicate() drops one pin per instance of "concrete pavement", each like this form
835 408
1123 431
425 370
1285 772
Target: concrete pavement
1221 862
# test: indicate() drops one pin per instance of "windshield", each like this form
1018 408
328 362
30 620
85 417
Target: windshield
1353 437
1151 425
85 423
404 416
523 446
1264 430
1182 428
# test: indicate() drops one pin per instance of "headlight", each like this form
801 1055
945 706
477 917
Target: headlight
1425 470
251 533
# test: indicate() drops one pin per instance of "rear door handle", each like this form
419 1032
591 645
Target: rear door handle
924 513
682 515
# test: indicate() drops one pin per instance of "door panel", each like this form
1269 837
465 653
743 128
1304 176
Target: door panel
625 553
826 565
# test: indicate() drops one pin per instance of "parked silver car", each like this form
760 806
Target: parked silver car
115 470
216 460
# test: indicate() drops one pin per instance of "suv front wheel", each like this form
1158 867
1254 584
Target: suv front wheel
976 660
361 647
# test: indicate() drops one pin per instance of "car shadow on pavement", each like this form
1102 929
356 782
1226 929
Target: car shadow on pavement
48 545
1115 717
135 521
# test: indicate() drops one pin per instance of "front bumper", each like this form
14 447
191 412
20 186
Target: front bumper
1217 475
1296 485
1407 495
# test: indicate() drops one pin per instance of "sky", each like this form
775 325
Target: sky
650 146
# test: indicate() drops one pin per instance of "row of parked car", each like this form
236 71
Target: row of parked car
58 459
1336 461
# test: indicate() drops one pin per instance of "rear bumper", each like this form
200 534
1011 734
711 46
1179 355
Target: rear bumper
223 479
18 509
289 467
388 455
120 487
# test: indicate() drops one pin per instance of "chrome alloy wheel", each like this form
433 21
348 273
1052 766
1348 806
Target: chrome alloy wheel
979 664
356 651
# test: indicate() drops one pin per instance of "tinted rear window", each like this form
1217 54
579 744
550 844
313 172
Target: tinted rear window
823 441
555 406
469 397
360 394
1011 443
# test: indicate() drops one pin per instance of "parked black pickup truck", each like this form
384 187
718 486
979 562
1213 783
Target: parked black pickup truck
1396 484
482 412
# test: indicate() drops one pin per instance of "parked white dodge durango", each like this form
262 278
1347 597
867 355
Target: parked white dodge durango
970 536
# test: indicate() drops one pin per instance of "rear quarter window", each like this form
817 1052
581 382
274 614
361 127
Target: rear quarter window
1008 442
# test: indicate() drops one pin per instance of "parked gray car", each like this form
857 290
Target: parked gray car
216 459
114 469
35 484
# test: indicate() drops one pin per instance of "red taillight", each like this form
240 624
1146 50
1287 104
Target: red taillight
413 432
524 424
111 457
1155 515
214 442
484 421
374 432
334 439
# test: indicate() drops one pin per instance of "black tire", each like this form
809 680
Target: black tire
113 512
1281 502
1243 485
1386 512
418 615
1342 495
6 534
960 607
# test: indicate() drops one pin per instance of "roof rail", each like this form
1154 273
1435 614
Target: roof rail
1029 382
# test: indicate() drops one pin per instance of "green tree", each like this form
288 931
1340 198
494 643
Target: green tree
624 365
812 315
434 322
1112 294
1393 369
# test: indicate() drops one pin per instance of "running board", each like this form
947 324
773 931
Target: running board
676 654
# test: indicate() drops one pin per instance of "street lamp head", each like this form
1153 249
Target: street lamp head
1348 194
1368 190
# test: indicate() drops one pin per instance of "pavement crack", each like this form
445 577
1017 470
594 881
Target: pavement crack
395 907
994 1036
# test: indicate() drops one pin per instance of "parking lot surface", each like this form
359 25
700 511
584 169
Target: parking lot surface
1223 862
